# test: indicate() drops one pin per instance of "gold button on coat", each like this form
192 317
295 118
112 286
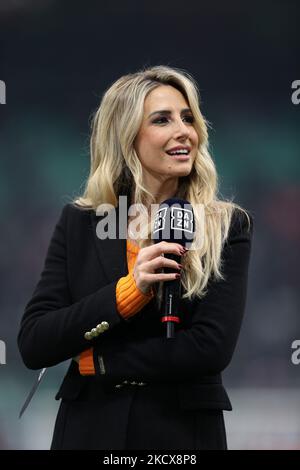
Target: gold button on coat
99 328
105 325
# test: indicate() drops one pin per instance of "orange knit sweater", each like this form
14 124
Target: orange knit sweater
129 299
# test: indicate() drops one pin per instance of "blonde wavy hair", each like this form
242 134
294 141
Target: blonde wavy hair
116 169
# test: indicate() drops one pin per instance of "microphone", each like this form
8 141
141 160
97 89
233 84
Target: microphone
174 222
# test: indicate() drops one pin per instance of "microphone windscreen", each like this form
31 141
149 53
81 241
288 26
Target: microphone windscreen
174 222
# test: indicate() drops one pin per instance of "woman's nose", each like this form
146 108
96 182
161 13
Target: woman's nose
181 128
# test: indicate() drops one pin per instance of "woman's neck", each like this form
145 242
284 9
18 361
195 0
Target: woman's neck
161 188
161 191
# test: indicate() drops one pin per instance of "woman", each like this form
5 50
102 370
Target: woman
128 387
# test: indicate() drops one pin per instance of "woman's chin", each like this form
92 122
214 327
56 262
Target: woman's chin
179 172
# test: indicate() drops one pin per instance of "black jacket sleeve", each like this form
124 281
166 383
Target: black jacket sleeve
52 328
204 349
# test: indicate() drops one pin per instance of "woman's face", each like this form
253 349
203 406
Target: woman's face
167 124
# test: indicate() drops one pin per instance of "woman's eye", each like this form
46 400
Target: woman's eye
189 119
158 121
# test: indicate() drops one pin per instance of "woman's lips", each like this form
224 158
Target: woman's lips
180 157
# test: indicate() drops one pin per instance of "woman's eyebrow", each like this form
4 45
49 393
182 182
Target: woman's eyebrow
167 111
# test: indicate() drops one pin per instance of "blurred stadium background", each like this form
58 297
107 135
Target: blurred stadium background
57 60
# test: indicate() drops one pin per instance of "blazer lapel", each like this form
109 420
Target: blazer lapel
111 251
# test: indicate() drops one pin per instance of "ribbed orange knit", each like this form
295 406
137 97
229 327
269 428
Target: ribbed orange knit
130 299
86 362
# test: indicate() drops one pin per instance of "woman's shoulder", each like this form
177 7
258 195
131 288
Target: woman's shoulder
242 222
72 209
71 214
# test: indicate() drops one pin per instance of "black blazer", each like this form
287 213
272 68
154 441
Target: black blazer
173 395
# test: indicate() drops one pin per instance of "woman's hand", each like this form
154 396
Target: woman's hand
150 259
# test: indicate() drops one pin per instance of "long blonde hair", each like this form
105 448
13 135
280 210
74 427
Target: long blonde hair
115 167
